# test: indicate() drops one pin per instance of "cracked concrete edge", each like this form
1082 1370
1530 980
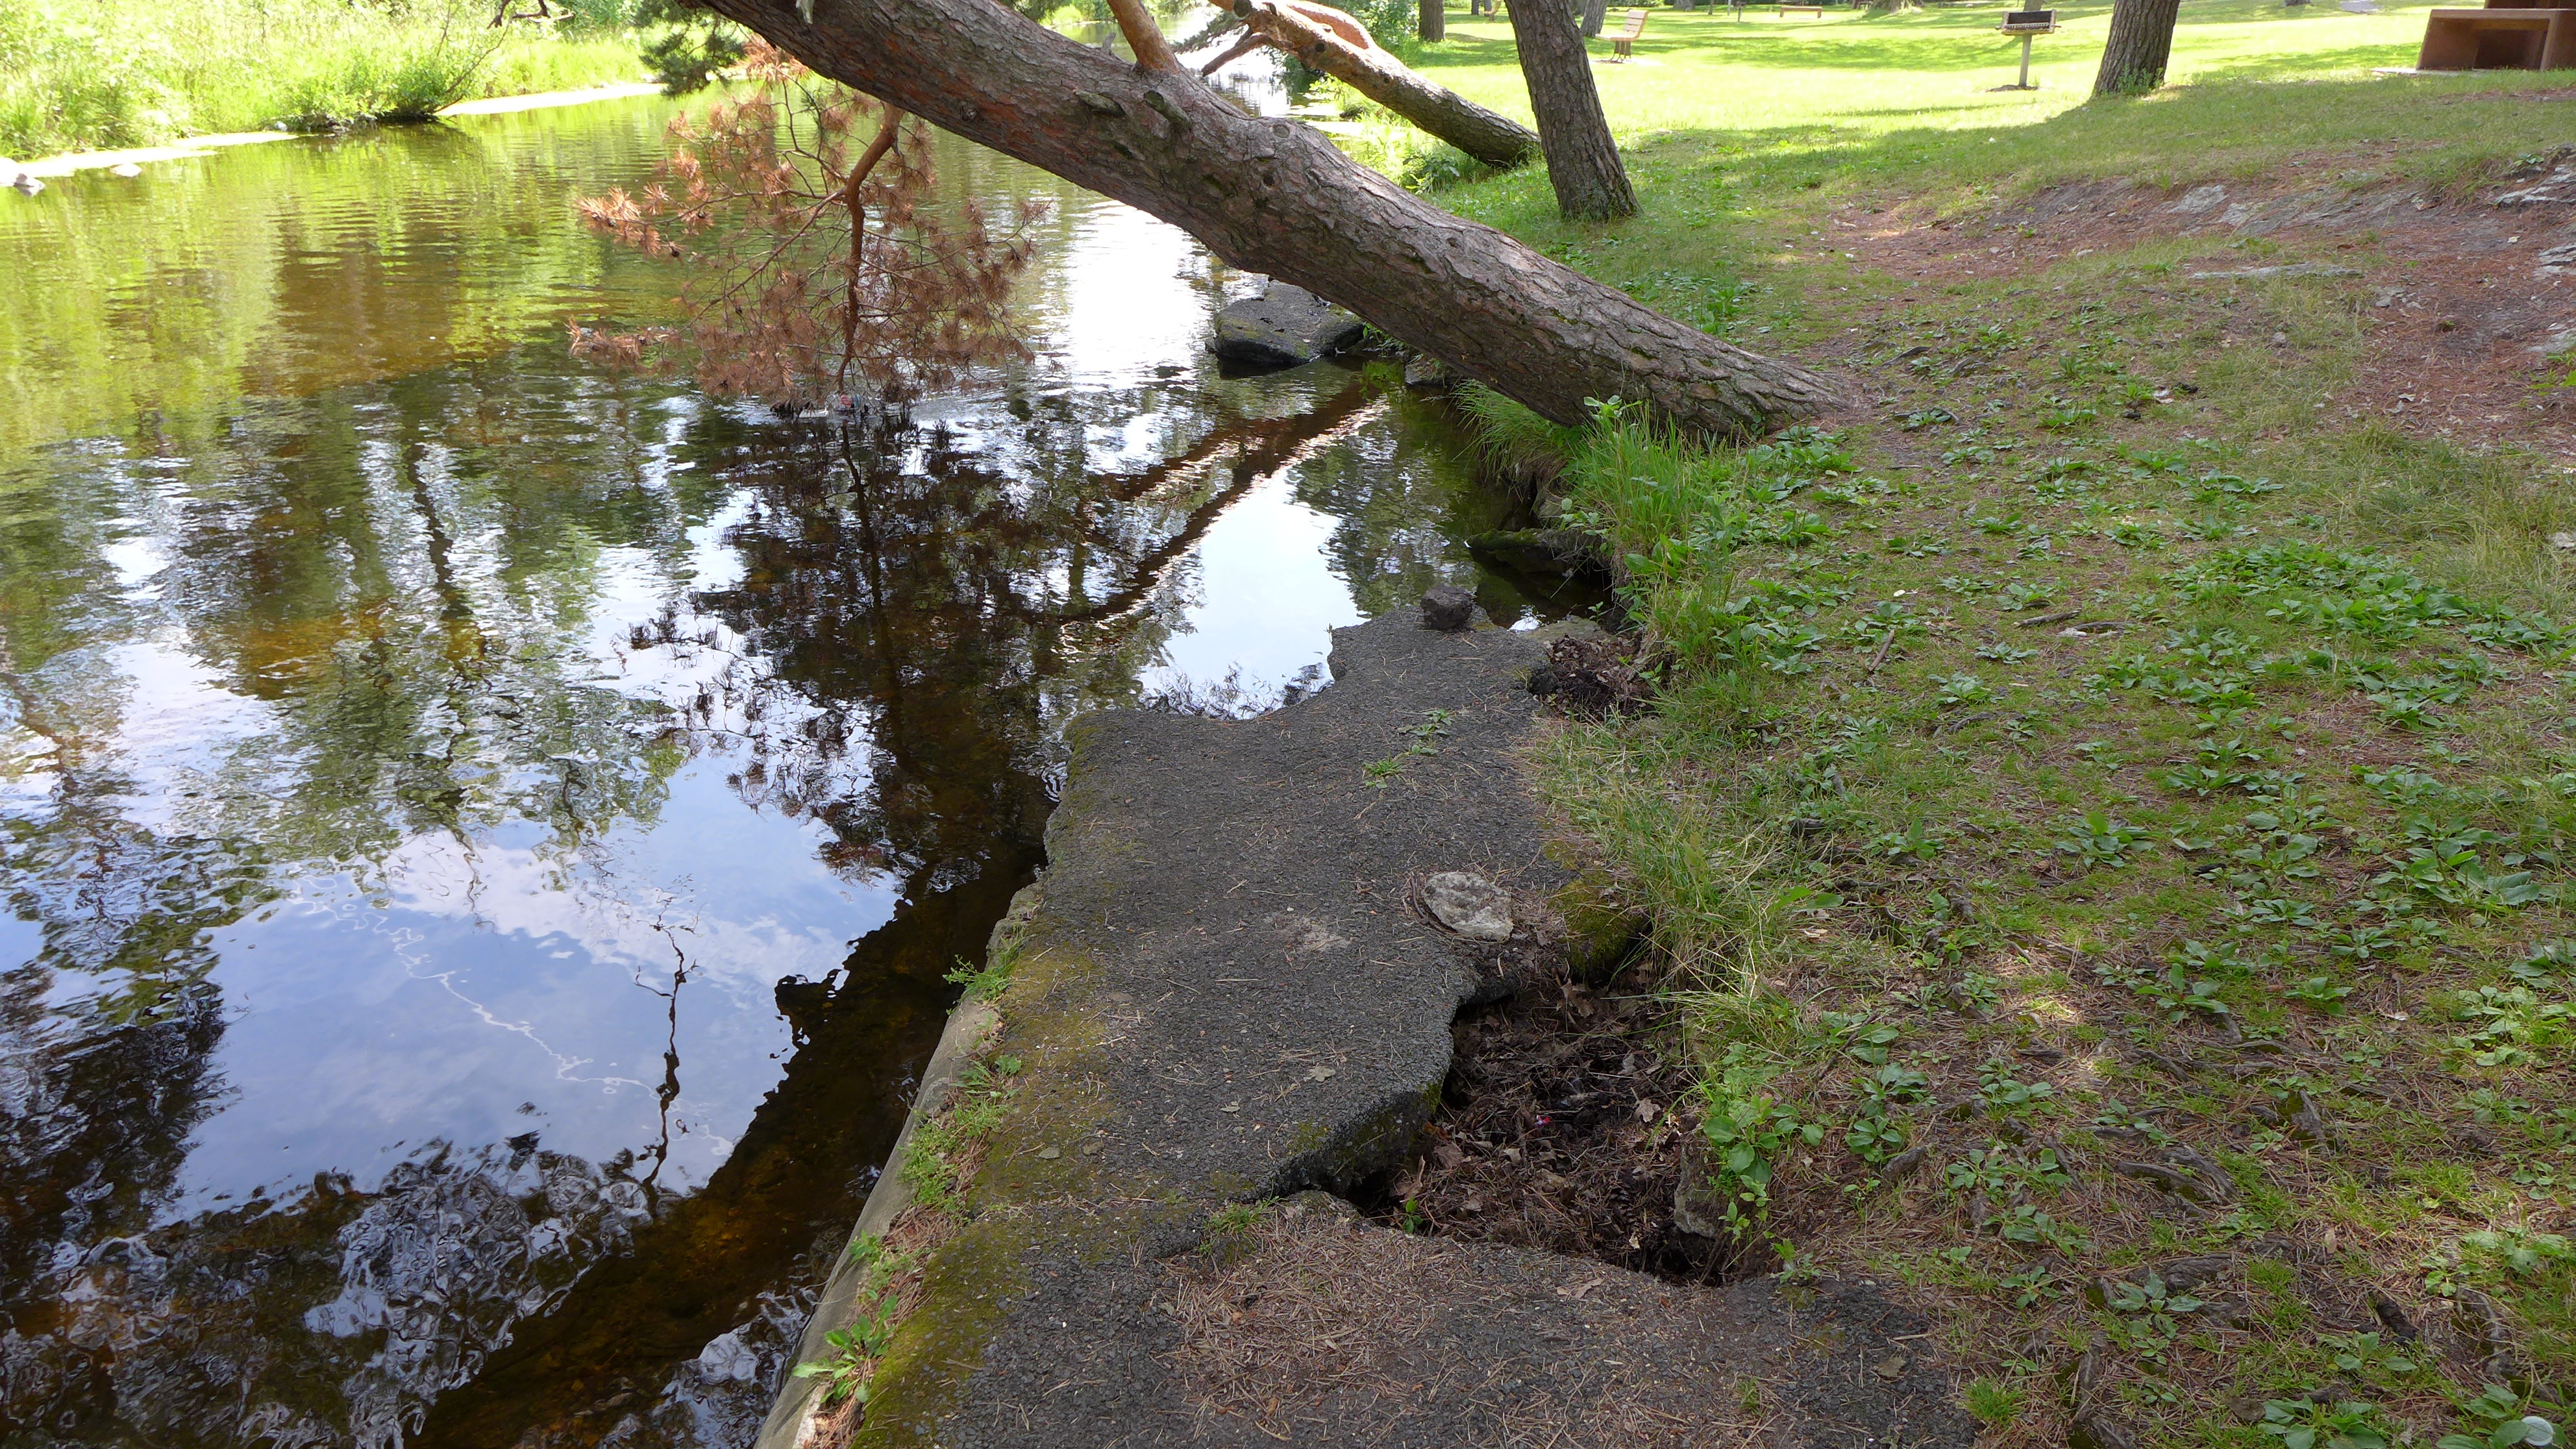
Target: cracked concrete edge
800 1400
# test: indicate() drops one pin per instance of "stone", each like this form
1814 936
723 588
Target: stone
1470 905
1426 371
2552 261
1316 1203
1050 1154
126 169
2557 188
2562 541
27 183
2200 199
2392 1315
1538 550
1699 1208
1448 608
1283 327
2294 269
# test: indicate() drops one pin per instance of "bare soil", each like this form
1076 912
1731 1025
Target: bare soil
2463 299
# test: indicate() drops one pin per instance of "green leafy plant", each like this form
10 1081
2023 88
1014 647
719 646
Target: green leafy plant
2098 840
875 1314
1747 1129
2322 992
2363 1355
2306 1424
2497 1411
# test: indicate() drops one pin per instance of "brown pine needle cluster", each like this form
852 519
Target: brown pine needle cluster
823 263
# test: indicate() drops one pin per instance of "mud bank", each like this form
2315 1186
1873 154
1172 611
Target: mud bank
1225 991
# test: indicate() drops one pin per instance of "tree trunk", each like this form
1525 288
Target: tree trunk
1495 140
1582 160
1433 23
1271 195
1594 12
2141 42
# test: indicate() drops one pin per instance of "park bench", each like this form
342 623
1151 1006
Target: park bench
1817 11
2510 36
1620 43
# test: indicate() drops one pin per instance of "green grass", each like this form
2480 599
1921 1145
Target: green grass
1912 97
2317 791
124 73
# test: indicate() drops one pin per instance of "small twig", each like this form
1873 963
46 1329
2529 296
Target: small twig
2060 617
1884 645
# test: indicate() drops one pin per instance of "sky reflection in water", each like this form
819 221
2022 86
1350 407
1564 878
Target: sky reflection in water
484 837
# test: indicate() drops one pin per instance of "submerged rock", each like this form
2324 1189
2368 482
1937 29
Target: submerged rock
1282 327
1538 550
1470 905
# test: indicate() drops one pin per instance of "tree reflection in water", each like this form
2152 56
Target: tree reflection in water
405 648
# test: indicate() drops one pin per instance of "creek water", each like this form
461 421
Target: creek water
484 836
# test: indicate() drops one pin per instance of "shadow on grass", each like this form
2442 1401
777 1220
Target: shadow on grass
1914 42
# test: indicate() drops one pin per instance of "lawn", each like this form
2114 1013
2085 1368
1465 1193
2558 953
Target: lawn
126 73
2110 801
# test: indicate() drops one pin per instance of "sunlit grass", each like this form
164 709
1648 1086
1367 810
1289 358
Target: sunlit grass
125 73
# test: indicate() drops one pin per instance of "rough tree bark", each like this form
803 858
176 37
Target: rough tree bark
2141 42
1594 13
1582 160
1274 196
1335 44
1433 20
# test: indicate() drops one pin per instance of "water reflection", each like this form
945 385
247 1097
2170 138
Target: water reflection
484 838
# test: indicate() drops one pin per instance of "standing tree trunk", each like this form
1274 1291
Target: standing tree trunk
2134 60
1433 23
1274 196
1594 12
1582 160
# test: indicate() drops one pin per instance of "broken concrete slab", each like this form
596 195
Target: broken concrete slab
1225 990
1283 327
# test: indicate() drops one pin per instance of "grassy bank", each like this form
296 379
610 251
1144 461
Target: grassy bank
123 73
2110 799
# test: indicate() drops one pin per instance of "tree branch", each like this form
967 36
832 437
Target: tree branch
1144 37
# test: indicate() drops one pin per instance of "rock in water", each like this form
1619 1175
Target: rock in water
1539 550
1426 371
1470 905
125 169
1282 327
1448 608
27 183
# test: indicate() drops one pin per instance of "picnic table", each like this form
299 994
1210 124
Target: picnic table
2513 35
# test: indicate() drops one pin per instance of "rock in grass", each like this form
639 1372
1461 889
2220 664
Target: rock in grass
1448 608
1282 327
1470 905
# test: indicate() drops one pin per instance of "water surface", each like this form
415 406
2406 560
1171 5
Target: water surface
484 836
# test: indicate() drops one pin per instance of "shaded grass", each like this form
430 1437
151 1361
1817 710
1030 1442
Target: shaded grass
2040 907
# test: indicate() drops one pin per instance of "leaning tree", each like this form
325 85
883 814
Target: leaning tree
1270 195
